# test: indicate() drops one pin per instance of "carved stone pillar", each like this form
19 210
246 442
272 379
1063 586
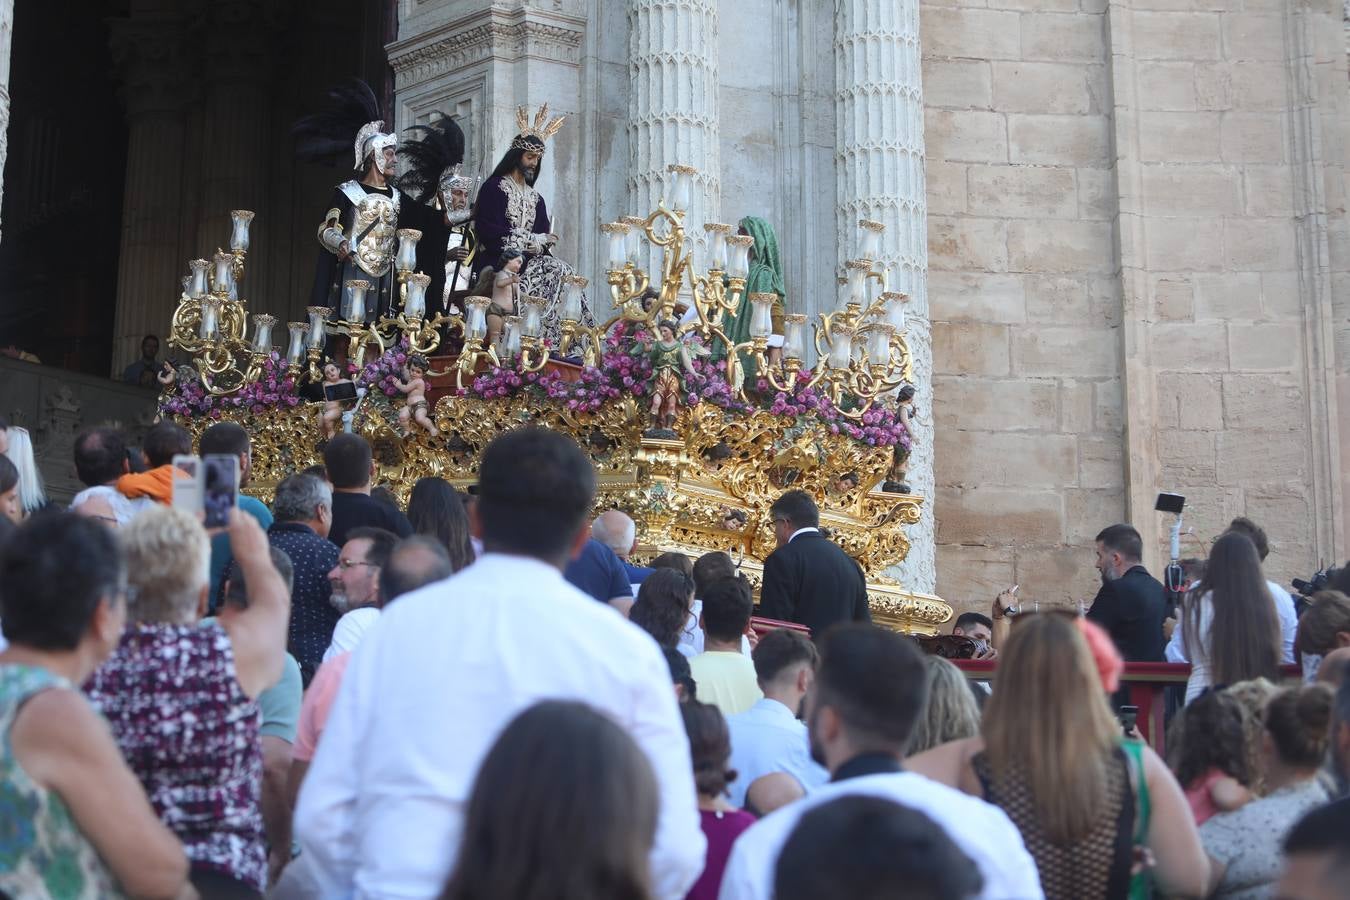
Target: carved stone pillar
151 56
672 105
6 44
879 116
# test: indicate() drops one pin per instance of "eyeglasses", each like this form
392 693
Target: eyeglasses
349 563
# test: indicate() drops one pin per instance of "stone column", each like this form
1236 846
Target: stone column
880 175
151 57
672 105
6 45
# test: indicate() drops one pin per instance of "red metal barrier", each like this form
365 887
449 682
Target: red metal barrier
1145 682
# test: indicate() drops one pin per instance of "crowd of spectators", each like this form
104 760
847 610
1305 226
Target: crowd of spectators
488 697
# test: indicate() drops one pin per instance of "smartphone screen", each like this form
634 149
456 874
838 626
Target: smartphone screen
220 489
187 483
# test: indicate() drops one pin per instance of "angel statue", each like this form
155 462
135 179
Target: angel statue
669 356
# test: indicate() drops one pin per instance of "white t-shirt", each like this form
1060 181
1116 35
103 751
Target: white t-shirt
1178 652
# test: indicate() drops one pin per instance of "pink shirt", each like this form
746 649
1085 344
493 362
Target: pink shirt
1199 797
318 701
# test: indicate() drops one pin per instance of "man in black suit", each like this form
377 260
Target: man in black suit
1130 605
809 579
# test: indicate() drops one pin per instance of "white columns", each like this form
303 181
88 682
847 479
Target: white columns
672 104
880 156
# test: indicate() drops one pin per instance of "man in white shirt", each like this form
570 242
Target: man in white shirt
448 666
356 586
768 737
868 693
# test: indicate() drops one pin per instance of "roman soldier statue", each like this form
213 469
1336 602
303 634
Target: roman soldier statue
357 235
510 215
433 174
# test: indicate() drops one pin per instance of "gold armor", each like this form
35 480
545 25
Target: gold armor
376 217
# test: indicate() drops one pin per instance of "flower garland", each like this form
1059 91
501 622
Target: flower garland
380 373
275 388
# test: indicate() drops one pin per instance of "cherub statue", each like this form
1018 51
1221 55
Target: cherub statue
330 419
897 480
502 286
415 386
669 356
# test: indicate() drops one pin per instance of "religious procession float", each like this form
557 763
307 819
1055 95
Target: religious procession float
441 319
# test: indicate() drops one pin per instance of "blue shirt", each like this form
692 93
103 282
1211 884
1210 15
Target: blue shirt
598 572
220 545
636 574
766 738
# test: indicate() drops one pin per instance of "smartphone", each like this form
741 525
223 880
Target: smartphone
220 489
187 483
343 390
1170 503
1129 716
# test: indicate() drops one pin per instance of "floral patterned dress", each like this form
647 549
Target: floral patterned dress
190 734
42 851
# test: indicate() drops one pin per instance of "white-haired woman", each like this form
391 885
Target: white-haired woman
32 494
180 695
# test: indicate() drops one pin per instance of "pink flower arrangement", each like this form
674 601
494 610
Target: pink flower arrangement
274 389
379 374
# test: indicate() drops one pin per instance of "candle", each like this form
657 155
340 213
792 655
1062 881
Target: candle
224 271
794 342
240 219
296 351
415 307
534 315
717 244
317 324
879 343
209 329
618 243
475 329
573 285
870 234
681 185
841 347
856 271
895 308
738 254
199 284
355 310
510 346
761 314
637 227
406 260
262 332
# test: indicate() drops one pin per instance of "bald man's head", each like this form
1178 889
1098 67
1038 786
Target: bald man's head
617 531
413 563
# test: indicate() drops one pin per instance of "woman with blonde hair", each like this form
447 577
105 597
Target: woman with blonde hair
950 713
1089 803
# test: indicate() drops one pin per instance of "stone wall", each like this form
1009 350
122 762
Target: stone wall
1136 241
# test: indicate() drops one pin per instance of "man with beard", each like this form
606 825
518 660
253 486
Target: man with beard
355 584
358 234
1130 605
511 215
433 176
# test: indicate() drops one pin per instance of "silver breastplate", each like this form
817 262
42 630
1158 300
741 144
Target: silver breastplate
376 217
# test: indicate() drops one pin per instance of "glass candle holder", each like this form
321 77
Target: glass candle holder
879 343
296 350
681 185
717 244
869 235
240 219
356 300
406 259
794 336
738 254
761 314
475 327
573 285
617 233
856 272
199 286
533 321
232 285
841 347
510 345
637 227
895 308
209 327
262 332
224 273
415 307
318 316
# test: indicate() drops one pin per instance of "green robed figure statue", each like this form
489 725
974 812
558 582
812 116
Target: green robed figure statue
765 277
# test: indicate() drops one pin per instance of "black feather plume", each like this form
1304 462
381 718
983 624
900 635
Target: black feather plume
438 146
329 135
